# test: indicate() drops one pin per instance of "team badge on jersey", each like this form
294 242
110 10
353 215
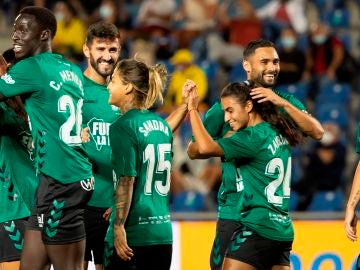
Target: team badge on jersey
99 131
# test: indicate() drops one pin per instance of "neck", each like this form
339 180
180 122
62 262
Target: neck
255 119
93 75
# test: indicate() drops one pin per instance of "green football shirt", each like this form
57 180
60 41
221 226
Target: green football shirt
53 88
217 128
18 180
263 173
141 143
97 116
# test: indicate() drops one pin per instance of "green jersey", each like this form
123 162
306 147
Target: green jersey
53 88
141 143
217 128
357 142
97 116
18 181
263 171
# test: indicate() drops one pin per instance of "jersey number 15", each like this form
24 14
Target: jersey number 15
162 166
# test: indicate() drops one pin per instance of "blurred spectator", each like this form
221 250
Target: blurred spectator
279 13
156 16
327 58
324 168
195 17
70 34
238 21
292 59
184 69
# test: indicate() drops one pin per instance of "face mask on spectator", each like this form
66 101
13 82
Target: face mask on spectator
328 138
288 42
105 11
59 16
319 39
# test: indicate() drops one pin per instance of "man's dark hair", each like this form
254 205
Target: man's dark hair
255 44
103 30
43 16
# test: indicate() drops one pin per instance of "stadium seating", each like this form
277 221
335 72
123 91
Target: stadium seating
327 201
188 201
299 90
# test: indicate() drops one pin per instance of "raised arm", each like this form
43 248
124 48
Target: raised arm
124 191
308 124
350 216
204 145
176 117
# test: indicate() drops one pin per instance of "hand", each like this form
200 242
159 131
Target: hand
350 225
85 135
193 102
3 65
187 88
107 214
120 243
261 94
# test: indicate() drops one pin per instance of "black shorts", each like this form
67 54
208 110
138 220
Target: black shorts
95 228
262 253
59 208
145 257
11 239
224 231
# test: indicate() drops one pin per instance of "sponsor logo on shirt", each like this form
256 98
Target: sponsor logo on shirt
99 131
7 78
88 184
40 219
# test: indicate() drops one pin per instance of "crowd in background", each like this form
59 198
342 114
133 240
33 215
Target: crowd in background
318 43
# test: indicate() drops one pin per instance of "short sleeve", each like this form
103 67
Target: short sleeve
242 144
23 77
123 147
292 99
214 121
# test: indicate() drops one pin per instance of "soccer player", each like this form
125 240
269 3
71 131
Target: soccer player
350 221
53 92
101 49
258 189
18 181
141 143
262 65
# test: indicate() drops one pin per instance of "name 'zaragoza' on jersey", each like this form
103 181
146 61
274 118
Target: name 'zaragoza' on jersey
53 88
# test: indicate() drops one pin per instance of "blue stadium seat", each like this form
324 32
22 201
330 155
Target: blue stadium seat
188 201
331 92
211 69
338 18
237 73
327 201
299 90
328 112
293 202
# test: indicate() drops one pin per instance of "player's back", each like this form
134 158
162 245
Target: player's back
149 214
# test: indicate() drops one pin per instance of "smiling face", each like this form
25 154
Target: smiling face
102 55
263 66
119 91
26 36
236 114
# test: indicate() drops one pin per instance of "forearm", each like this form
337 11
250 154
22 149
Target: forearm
124 191
176 117
193 151
308 124
354 196
205 144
